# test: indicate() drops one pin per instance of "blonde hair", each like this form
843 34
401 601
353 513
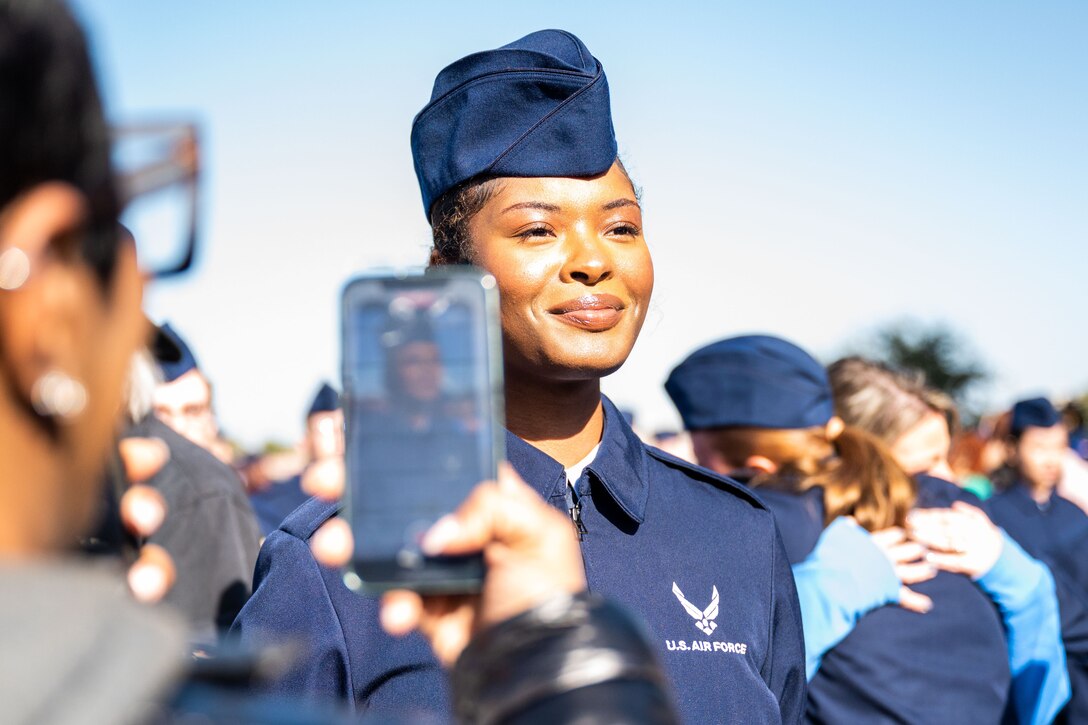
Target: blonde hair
859 476
885 402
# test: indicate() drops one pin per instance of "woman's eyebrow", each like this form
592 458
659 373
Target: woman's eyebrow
618 203
541 205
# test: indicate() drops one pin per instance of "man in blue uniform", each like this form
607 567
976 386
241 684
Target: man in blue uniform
1050 528
183 400
696 555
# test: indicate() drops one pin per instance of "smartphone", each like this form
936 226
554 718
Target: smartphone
422 374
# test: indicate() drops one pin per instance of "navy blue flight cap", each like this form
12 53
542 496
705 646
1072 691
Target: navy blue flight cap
326 400
754 381
536 107
178 360
1034 412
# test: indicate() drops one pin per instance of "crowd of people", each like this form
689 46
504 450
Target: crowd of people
820 544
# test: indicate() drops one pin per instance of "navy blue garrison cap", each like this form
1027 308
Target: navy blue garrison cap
536 107
178 359
1037 412
754 381
326 400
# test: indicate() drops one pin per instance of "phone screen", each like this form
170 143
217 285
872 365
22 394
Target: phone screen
423 420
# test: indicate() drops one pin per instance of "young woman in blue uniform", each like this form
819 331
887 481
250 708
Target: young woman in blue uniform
1051 528
761 407
516 158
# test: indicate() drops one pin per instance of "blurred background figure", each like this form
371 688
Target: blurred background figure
914 421
1049 527
1074 483
1073 420
674 442
325 425
210 531
183 400
967 460
324 439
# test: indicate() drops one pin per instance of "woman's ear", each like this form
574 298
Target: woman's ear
40 308
761 464
834 427
436 259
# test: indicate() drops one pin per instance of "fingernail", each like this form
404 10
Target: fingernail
147 515
147 582
438 537
396 616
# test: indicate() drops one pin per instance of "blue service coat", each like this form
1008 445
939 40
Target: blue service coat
898 666
1057 534
696 555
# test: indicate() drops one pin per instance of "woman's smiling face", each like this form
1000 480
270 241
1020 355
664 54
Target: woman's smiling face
573 271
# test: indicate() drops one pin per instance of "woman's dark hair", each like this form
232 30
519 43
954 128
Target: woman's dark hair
51 122
451 215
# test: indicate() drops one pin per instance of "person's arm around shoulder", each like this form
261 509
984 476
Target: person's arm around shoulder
849 573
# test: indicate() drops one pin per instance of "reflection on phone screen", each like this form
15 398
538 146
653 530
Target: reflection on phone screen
418 407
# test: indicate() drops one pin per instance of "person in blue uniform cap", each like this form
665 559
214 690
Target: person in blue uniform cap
184 398
1050 528
516 159
324 439
761 408
326 400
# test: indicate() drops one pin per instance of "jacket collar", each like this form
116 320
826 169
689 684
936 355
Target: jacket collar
620 466
1024 499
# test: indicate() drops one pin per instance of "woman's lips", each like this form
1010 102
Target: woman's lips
594 313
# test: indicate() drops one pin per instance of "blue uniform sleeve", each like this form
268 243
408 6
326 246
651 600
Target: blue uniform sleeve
1023 589
784 673
843 578
291 605
343 653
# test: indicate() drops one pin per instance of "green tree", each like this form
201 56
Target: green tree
939 353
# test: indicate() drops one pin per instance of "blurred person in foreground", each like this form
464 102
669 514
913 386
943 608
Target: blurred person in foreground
899 409
1049 527
75 646
324 439
762 409
183 399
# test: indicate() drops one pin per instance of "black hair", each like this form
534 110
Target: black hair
452 213
51 122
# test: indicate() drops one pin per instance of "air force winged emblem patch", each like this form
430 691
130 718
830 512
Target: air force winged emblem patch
704 619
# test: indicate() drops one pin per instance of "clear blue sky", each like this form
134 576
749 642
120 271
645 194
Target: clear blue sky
809 169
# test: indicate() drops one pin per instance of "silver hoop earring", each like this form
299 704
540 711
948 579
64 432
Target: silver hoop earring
14 268
58 395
